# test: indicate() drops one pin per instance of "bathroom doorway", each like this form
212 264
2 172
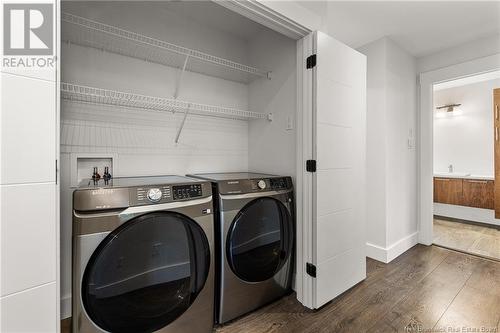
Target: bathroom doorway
465 134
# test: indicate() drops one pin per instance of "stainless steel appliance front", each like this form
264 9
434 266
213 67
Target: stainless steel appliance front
143 266
255 237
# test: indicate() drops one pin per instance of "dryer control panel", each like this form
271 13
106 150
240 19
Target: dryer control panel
255 185
279 183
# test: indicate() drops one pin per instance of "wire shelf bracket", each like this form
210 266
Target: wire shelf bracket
182 124
179 80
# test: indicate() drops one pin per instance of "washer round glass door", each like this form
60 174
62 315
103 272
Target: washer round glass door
146 273
259 240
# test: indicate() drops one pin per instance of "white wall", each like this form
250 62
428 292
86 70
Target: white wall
391 162
276 96
465 52
376 144
401 162
464 138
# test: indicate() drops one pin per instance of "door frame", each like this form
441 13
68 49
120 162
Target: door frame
304 284
272 15
426 126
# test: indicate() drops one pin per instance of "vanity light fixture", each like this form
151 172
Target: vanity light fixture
448 107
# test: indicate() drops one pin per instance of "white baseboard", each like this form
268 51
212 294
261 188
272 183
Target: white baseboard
376 252
401 246
387 254
466 213
65 307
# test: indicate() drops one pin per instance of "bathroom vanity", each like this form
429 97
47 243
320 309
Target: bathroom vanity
469 191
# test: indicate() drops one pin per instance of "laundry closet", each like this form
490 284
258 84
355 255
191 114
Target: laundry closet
240 112
184 87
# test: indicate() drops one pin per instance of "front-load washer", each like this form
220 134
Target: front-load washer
143 256
254 240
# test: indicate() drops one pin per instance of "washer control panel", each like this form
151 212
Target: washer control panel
168 193
187 191
145 195
104 198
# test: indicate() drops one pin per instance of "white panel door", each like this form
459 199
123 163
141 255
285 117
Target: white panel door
28 236
28 130
31 311
336 221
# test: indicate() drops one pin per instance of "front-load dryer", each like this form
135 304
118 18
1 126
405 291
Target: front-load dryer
254 239
143 256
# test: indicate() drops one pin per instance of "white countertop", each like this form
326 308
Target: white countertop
463 176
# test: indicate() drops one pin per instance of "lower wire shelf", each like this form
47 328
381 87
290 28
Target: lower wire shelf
86 94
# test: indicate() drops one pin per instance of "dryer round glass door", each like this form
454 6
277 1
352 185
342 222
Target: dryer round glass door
259 240
146 273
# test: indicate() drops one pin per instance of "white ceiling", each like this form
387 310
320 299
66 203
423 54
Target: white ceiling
420 27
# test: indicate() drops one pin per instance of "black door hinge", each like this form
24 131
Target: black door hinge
311 165
311 269
311 61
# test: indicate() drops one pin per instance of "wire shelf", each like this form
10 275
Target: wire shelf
94 95
85 32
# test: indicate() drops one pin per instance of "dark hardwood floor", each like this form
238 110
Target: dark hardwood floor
425 289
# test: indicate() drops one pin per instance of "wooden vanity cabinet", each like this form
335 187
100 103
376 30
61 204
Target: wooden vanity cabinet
479 193
465 192
448 191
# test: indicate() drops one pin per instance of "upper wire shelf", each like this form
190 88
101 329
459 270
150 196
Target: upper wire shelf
82 31
94 95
